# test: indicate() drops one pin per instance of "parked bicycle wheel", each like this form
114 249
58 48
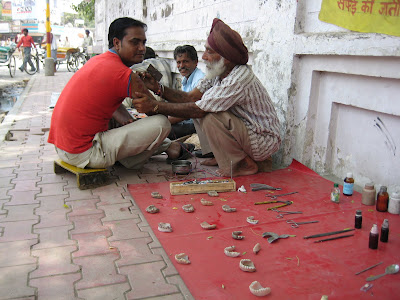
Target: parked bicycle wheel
35 62
80 60
71 63
12 66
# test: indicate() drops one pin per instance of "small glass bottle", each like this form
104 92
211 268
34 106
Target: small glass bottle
358 219
385 231
382 199
348 184
368 194
335 193
374 237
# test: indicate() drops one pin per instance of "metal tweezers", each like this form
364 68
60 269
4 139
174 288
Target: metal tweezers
261 186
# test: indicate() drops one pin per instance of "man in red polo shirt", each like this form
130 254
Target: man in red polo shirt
27 42
79 125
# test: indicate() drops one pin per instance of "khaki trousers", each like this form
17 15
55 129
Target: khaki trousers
228 138
132 145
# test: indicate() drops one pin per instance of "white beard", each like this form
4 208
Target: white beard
214 69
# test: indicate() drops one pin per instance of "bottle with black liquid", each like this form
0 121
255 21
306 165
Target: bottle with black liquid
374 237
385 231
358 219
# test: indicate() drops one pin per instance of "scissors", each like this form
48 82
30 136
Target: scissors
296 224
276 196
282 213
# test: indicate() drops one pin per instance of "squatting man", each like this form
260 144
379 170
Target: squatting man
236 113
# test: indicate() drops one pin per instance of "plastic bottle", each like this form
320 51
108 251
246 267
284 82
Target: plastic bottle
358 219
394 203
335 193
374 237
368 194
385 231
382 199
348 185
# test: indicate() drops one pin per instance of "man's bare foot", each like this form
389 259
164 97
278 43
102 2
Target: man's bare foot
245 167
209 162
174 150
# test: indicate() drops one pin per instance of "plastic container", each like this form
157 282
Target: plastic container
394 203
382 199
348 185
368 194
335 193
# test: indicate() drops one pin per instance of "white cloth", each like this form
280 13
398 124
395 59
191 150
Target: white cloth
242 94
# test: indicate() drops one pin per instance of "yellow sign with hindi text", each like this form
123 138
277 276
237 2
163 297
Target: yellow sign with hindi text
380 16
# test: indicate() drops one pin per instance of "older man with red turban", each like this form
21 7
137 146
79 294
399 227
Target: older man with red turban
236 112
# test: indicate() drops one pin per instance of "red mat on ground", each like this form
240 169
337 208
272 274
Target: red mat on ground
294 268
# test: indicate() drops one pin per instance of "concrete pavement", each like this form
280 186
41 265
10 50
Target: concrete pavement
59 242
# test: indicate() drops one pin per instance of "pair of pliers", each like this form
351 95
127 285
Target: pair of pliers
261 186
284 203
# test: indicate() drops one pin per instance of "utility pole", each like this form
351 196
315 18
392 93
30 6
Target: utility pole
49 61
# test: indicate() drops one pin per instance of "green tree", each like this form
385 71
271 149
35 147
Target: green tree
85 9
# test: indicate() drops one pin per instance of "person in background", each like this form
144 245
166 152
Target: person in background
53 48
80 122
66 42
87 40
27 42
236 112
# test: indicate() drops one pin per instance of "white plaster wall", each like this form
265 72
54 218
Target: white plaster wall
295 56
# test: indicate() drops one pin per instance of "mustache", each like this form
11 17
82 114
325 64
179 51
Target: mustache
183 69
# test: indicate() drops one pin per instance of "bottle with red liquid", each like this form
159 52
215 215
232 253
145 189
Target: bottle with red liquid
374 237
382 199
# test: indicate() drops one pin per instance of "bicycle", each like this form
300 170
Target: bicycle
35 60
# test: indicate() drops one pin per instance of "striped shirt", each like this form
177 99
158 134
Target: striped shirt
242 94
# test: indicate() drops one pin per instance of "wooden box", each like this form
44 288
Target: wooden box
202 186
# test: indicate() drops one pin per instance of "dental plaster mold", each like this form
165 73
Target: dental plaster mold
206 202
258 290
237 235
256 248
164 227
228 209
156 195
242 189
251 220
151 209
230 251
182 258
189 208
246 265
212 193
207 226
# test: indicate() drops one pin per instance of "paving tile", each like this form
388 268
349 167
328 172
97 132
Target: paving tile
51 178
23 198
170 269
13 282
106 292
33 159
53 237
3 211
125 229
153 178
29 167
76 194
19 213
135 251
111 200
26 175
109 191
8 163
52 189
17 231
16 253
89 223
53 218
59 287
93 243
46 168
177 280
54 261
98 270
50 203
3 193
117 211
84 207
156 243
6 182
166 297
5 172
147 280
26 185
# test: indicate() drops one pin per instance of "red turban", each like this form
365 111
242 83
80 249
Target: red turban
227 43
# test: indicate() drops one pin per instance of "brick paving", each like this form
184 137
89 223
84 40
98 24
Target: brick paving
59 242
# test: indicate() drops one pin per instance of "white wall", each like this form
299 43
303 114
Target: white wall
323 79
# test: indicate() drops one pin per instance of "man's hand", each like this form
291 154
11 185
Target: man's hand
149 81
144 104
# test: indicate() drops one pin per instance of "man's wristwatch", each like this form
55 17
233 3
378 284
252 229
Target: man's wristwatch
155 109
